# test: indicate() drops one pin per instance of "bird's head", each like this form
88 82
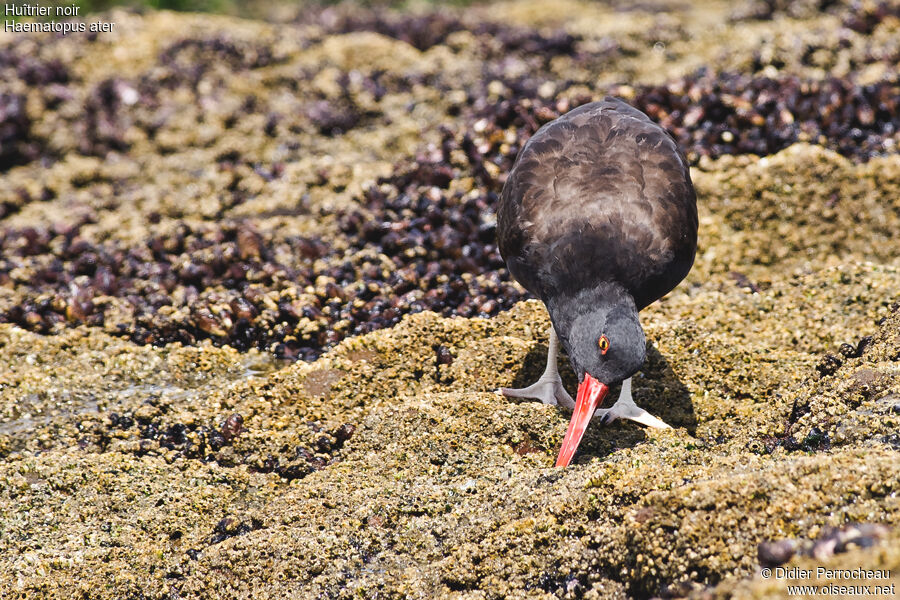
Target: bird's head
606 345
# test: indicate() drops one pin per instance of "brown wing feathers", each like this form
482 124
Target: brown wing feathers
600 194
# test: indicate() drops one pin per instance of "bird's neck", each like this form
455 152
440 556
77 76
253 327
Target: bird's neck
607 294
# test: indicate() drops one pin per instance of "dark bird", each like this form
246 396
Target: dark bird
598 219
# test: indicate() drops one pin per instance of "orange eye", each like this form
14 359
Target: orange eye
604 344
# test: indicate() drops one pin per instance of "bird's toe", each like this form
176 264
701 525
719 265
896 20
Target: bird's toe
548 390
563 398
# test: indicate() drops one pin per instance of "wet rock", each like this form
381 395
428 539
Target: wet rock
232 526
832 540
775 554
232 427
14 137
443 355
829 365
835 540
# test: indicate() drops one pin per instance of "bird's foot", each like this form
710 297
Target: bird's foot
548 389
632 412
625 408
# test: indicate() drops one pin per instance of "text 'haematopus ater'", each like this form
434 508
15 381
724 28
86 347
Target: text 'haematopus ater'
598 219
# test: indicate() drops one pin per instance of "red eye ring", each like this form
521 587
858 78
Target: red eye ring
603 343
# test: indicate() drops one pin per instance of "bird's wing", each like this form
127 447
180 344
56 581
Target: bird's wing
597 195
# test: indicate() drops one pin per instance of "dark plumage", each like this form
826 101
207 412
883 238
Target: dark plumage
600 194
598 219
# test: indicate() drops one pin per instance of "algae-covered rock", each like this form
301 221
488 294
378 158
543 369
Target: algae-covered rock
252 312
422 465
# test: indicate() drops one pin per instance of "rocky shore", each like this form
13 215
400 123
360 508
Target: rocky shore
252 310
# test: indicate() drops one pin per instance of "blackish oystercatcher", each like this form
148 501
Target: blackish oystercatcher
598 219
